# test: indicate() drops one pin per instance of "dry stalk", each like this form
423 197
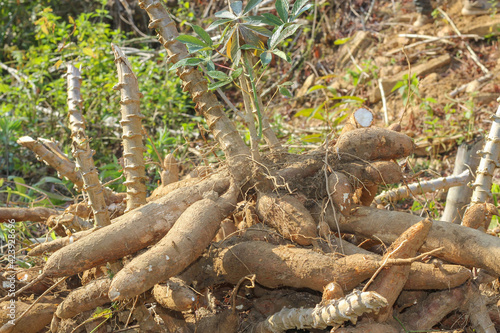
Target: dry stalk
65 167
442 183
82 152
133 148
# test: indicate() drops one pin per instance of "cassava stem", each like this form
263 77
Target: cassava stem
81 150
133 147
223 129
339 311
65 167
488 163
442 183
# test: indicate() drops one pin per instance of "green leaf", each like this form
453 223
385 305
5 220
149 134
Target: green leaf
273 41
1 182
236 73
398 85
304 112
50 180
237 7
213 86
282 55
297 6
312 138
251 5
186 62
250 36
19 187
272 19
350 98
210 65
280 36
203 34
307 7
285 92
233 47
342 41
314 88
225 14
266 58
249 47
218 75
259 30
186 39
282 9
216 23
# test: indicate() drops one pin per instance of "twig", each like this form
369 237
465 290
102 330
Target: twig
394 262
131 19
384 102
471 51
384 263
18 75
330 197
482 79
251 278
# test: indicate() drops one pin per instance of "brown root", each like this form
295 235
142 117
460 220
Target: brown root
390 280
371 144
85 298
463 246
125 235
340 191
174 295
34 321
478 216
288 215
184 243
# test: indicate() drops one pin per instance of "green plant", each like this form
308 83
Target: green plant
332 110
243 39
8 127
408 89
33 90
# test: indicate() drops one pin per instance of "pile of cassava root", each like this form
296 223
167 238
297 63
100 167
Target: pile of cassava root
265 243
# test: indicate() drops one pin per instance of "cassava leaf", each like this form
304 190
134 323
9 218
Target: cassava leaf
306 7
225 14
282 9
217 23
281 35
218 75
251 5
237 7
273 41
236 73
187 39
259 30
266 57
342 41
272 19
213 86
297 6
203 34
186 62
285 92
282 55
